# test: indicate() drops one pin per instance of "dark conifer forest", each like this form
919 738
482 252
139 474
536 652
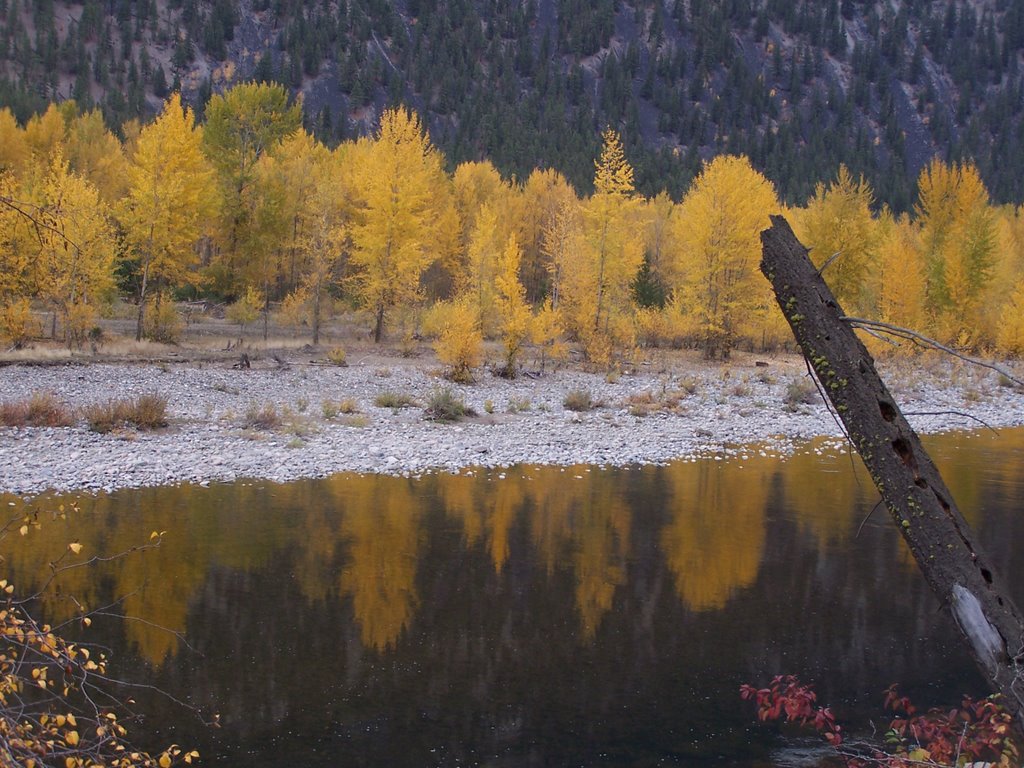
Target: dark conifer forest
799 86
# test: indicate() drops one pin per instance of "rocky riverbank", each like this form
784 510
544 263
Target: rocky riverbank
326 419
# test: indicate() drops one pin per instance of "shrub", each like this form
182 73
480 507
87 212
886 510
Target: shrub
42 409
162 323
445 405
517 404
264 416
975 733
336 356
144 412
800 392
578 400
17 324
390 399
460 343
246 309
332 408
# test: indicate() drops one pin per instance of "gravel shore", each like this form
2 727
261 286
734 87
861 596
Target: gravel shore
648 417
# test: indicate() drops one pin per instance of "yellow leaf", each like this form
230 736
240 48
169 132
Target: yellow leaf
165 761
75 547
919 755
87 621
72 738
23 530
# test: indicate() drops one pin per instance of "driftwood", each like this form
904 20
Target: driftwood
917 498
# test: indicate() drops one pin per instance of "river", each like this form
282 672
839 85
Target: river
531 616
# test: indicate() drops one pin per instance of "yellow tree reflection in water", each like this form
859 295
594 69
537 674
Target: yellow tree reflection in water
485 508
382 528
586 514
714 541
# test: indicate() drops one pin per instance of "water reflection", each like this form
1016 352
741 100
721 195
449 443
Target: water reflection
549 616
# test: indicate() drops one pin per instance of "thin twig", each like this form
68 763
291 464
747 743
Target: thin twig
829 260
953 413
868 517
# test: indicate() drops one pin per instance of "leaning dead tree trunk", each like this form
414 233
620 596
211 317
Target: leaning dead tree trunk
921 505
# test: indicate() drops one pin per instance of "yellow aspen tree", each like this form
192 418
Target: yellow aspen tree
545 193
322 236
297 168
959 236
612 258
1008 267
546 333
244 124
1010 336
74 258
168 202
718 248
14 149
900 285
401 186
14 255
44 135
96 154
15 259
838 221
475 184
562 250
477 281
285 184
513 312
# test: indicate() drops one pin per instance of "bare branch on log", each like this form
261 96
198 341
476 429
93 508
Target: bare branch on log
924 341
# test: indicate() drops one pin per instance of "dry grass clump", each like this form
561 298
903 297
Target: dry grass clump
645 403
264 416
578 400
42 409
445 405
391 399
144 412
800 392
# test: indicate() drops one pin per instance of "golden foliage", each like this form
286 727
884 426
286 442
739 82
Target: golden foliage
837 220
1010 338
247 308
460 343
400 187
17 324
717 235
959 235
514 316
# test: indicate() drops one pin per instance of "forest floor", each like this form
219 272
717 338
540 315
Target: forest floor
293 414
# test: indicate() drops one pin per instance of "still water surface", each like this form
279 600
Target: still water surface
538 616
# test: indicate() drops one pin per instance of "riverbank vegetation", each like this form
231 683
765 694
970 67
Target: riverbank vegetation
250 211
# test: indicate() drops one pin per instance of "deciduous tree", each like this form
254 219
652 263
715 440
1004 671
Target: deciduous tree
168 202
717 251
74 252
838 222
243 124
400 188
959 235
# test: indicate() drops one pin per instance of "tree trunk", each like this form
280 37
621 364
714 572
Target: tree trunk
378 330
917 498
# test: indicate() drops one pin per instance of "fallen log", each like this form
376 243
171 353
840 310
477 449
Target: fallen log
923 509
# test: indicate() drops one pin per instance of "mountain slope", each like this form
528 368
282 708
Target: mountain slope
798 85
